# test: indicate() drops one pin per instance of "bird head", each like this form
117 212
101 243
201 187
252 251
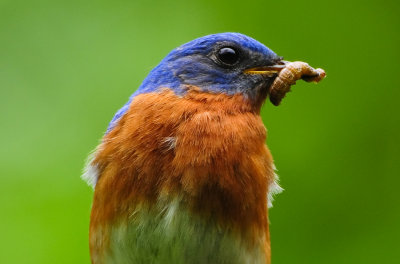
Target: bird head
227 63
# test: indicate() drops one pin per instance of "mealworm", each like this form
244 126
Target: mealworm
287 77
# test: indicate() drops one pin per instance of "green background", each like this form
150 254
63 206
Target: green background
67 66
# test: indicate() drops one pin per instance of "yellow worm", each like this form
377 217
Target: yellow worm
292 72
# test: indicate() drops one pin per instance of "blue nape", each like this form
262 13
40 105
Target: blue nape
192 64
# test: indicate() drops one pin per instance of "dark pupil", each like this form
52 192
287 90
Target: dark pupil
228 55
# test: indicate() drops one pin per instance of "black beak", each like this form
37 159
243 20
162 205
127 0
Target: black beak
270 70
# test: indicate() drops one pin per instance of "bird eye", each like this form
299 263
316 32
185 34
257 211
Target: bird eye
228 56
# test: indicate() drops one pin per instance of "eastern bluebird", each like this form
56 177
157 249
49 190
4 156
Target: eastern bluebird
183 174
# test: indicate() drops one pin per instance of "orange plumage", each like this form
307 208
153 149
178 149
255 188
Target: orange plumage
212 164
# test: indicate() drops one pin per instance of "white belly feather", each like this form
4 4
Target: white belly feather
172 235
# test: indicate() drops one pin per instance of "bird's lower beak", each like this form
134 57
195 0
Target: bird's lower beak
270 71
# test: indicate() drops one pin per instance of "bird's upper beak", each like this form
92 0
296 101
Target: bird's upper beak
269 71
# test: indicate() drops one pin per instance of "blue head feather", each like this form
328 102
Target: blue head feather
195 63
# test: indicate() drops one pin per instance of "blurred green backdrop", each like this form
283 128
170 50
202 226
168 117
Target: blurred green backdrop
67 66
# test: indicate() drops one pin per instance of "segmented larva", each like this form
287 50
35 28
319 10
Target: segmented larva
292 72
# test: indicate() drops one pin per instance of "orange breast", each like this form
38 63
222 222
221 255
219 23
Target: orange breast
208 149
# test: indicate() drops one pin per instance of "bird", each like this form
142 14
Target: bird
183 173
